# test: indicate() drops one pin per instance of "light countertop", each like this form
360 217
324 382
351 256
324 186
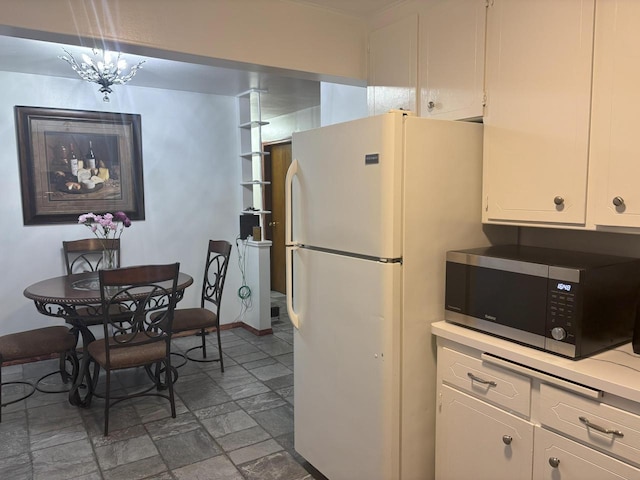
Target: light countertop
615 371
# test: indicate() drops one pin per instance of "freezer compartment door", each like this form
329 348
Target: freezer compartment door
347 365
347 190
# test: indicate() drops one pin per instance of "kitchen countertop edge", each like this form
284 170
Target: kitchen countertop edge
615 371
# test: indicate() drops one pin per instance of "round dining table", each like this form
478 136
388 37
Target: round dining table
63 296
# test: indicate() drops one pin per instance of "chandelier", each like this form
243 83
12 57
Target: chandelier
105 69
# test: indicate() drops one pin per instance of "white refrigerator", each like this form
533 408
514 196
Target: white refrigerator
372 207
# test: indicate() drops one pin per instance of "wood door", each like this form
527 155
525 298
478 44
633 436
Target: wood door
278 161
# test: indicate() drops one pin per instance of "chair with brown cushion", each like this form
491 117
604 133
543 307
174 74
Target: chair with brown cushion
36 343
201 319
86 256
141 341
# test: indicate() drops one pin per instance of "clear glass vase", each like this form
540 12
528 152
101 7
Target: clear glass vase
109 260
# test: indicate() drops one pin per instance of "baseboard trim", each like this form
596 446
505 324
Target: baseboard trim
255 331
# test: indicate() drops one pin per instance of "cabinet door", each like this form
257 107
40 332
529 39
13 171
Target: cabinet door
538 83
558 458
479 441
452 59
615 149
393 67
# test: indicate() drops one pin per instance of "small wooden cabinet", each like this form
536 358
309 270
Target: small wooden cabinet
615 149
497 418
393 66
451 66
558 458
538 88
504 451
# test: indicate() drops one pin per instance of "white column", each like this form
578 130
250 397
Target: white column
258 279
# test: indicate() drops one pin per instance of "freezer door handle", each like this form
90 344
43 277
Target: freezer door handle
288 185
293 316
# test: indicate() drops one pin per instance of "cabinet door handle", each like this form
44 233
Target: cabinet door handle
431 105
507 439
554 462
558 200
609 431
482 381
618 201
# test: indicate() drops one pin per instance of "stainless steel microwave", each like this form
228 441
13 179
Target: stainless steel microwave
570 303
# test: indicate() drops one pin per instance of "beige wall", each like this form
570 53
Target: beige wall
272 33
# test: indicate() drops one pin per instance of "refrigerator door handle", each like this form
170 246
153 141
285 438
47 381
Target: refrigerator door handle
293 316
291 246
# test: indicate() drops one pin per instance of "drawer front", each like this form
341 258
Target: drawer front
606 428
557 457
501 387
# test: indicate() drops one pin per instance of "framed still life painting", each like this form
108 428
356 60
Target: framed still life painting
74 161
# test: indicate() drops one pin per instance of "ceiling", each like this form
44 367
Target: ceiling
286 94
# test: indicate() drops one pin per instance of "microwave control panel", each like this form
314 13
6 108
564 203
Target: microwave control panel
561 310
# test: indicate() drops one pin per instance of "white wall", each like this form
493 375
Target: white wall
271 33
281 128
609 243
341 103
191 178
338 103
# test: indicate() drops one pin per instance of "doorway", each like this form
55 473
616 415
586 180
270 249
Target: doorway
276 166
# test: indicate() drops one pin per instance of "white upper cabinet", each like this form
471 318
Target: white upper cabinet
393 66
615 147
538 87
452 36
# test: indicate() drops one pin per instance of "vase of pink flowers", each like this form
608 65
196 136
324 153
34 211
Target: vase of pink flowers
106 227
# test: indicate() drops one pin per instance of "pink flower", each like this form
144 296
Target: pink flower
122 217
107 226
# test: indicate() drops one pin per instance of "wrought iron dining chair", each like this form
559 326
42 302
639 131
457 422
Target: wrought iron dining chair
86 256
36 343
144 340
201 319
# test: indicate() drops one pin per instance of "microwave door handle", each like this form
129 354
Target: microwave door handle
291 246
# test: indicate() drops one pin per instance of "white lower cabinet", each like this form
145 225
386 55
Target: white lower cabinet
478 441
558 458
496 422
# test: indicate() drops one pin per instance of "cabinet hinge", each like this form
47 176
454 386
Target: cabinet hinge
486 205
484 99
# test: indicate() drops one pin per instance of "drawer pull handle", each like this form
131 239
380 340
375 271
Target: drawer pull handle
609 431
554 462
480 380
507 439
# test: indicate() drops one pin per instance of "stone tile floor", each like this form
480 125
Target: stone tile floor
232 425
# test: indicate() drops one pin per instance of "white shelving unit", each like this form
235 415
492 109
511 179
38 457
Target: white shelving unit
252 155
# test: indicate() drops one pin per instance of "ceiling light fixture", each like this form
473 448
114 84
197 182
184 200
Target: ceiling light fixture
102 69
